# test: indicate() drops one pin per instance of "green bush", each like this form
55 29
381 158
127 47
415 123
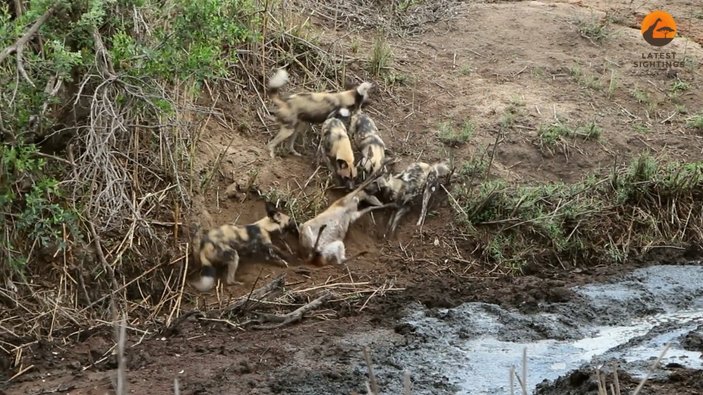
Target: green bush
121 56
30 202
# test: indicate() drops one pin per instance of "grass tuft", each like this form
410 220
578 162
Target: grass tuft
695 122
596 30
606 219
381 56
454 138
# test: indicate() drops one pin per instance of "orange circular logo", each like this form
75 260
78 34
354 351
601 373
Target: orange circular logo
658 28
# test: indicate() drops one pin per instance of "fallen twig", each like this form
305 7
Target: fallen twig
256 296
293 316
120 334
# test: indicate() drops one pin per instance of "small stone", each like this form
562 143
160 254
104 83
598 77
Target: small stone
232 191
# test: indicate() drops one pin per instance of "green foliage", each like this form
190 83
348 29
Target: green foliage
449 136
126 51
381 56
594 29
32 215
641 96
476 166
678 87
194 44
695 122
553 134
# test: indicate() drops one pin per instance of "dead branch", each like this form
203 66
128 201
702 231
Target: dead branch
294 316
254 298
259 294
101 255
101 53
18 8
121 335
18 46
407 384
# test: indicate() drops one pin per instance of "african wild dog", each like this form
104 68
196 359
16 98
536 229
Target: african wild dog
403 189
295 111
224 245
336 149
367 140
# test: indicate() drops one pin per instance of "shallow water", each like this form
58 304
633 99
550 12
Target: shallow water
470 349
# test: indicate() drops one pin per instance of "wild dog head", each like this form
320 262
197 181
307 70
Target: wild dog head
367 140
278 220
338 150
416 182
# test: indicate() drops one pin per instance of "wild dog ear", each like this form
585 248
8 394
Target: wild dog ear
271 209
342 164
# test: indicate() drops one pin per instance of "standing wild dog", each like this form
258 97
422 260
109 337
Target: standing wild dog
367 140
322 237
403 189
336 149
224 245
294 112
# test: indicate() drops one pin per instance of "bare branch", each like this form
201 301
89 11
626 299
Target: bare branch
17 46
295 315
20 66
102 58
18 8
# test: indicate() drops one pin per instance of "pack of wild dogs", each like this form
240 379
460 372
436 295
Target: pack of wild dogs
353 150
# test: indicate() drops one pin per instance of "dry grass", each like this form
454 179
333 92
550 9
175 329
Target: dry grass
602 219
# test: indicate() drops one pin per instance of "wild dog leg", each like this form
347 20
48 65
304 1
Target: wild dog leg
395 219
430 188
287 130
273 253
363 212
300 127
232 266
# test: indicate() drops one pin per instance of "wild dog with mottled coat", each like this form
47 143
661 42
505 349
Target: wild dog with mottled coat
322 237
367 140
336 149
403 189
295 111
224 245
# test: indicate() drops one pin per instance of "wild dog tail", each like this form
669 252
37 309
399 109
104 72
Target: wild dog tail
207 271
207 274
276 82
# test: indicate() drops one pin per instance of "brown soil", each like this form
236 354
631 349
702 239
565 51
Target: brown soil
488 56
